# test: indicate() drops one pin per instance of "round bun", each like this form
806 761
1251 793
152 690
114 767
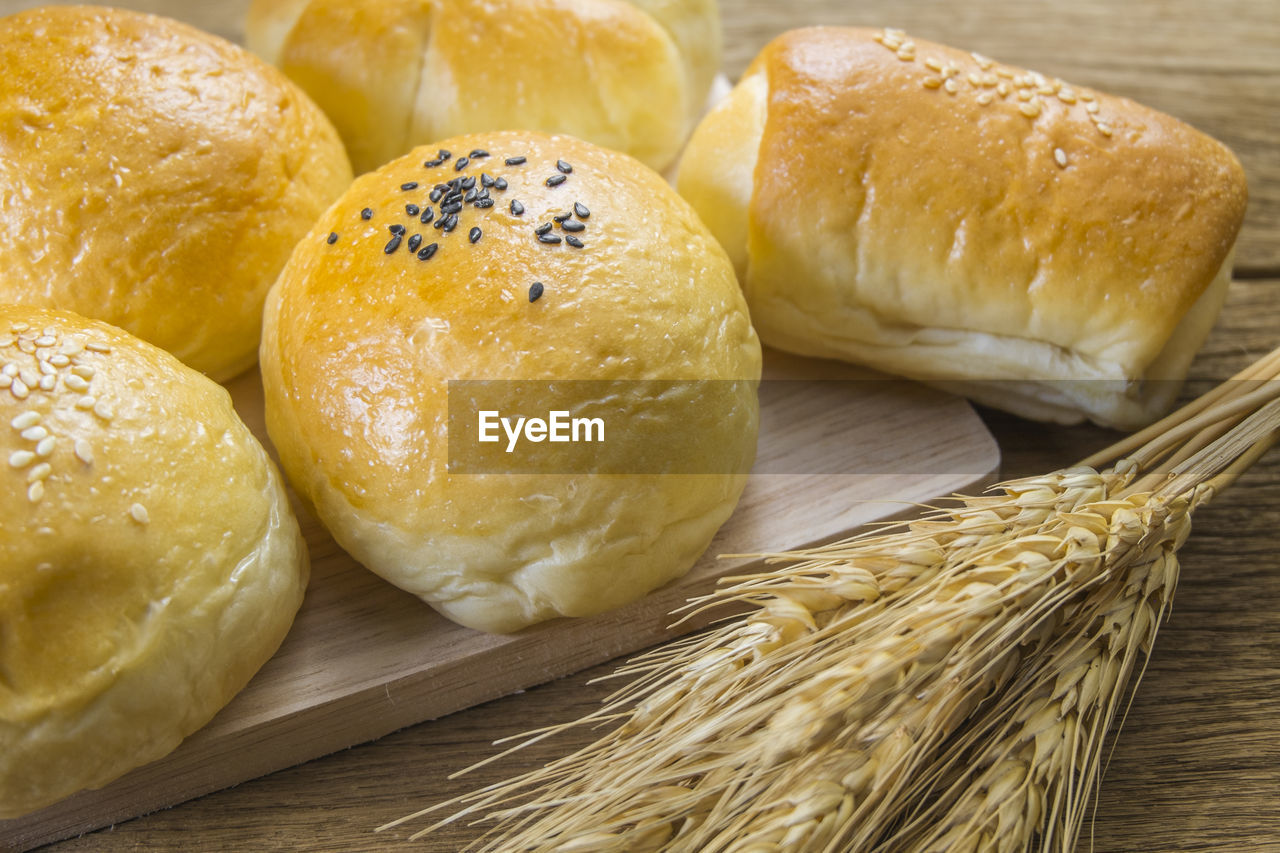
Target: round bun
150 562
154 177
632 75
361 337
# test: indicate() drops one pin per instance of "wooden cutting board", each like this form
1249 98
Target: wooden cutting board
838 449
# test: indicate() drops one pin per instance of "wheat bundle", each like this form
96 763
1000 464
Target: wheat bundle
945 684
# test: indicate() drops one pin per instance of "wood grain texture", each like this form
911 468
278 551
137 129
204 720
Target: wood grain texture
1197 766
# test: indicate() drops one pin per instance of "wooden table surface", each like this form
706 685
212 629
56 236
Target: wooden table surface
1197 766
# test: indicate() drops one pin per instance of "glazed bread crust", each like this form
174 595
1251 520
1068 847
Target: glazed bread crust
632 75
940 215
359 345
149 560
154 176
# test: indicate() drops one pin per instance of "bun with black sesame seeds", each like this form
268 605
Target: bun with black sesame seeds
360 344
154 177
937 214
632 75
149 559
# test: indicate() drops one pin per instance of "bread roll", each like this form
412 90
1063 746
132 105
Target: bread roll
632 75
362 334
149 560
154 177
939 215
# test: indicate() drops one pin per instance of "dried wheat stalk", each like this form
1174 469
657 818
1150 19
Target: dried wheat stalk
834 714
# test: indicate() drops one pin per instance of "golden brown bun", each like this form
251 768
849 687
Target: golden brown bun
149 560
631 75
358 345
154 177
1016 229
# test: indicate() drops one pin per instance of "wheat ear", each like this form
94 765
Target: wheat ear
809 723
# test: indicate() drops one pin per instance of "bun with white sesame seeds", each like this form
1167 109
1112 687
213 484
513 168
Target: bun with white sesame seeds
939 215
154 177
632 75
149 559
498 257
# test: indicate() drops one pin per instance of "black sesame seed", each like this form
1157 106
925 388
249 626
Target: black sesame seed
468 182
451 222
556 180
481 195
428 215
451 207
478 153
474 235
548 238
516 208
573 241
486 180
392 244
444 155
561 217
333 237
411 185
412 209
425 253
431 164
542 229
436 193
515 161
367 213
581 209
439 223
571 225
564 167
414 242
470 196
396 229
535 291
500 183
461 164
483 203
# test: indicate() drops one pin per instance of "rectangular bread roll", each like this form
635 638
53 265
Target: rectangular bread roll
1043 248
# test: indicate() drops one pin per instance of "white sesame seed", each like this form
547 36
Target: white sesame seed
6 340
36 491
1030 109
19 389
73 346
26 346
50 331
102 410
9 369
19 327
29 376
933 64
21 458
1025 94
84 371
931 82
1087 97
1104 128
1005 73
75 383
5 380
34 433
88 401
45 448
906 54
25 420
46 368
46 341
39 472
48 382
974 79
84 451
95 346
139 513
950 86
1091 107
1067 96
950 70
986 98
1060 157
